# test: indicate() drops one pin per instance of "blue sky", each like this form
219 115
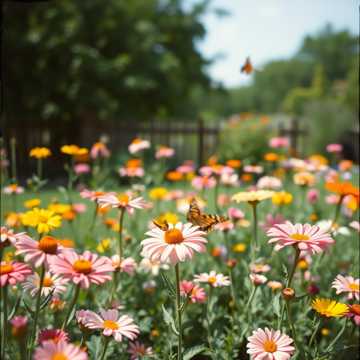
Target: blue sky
266 30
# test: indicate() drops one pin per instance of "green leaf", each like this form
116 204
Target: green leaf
16 306
276 305
195 350
168 284
169 320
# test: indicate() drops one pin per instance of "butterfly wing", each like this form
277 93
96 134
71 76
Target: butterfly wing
247 68
205 222
162 225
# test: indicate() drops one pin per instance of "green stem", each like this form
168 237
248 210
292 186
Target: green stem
291 324
336 339
209 337
255 245
39 169
251 298
5 322
178 310
106 343
292 272
121 221
312 338
71 307
37 310
94 218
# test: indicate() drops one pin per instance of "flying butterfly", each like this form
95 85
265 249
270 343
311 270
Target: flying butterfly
206 222
247 68
162 225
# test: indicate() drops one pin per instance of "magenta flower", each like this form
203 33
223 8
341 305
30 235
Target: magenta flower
13 272
334 148
84 269
51 350
203 182
164 152
127 265
99 149
112 324
82 169
54 335
195 293
269 344
306 237
279 142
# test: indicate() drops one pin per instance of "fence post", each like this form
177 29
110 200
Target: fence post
200 133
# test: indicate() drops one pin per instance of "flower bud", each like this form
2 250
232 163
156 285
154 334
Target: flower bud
288 293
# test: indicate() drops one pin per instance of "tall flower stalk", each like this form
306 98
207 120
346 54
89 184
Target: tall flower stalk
37 310
178 310
71 307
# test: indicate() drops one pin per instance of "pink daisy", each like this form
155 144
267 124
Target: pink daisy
13 272
269 344
54 335
39 252
137 350
164 152
203 182
138 145
257 279
82 269
99 149
306 237
54 284
194 292
176 244
124 201
347 284
112 325
213 279
127 265
354 312
91 195
8 237
51 350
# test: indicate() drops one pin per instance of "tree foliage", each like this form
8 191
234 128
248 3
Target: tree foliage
102 59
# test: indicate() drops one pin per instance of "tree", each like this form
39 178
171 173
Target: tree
102 59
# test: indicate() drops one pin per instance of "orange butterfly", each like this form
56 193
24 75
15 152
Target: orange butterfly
162 225
206 222
247 68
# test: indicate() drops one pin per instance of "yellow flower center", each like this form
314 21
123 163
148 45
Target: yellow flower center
354 287
136 141
6 269
109 324
270 346
299 237
48 245
123 199
211 279
48 282
59 356
173 236
82 266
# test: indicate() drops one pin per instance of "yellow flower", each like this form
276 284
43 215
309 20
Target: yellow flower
252 197
59 208
169 217
74 150
104 245
31 203
9 256
158 193
42 219
304 178
329 308
282 198
13 219
40 152
239 248
325 331
271 157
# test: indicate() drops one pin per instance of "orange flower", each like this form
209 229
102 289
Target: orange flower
212 160
246 177
345 165
342 188
69 215
134 163
271 157
174 176
235 164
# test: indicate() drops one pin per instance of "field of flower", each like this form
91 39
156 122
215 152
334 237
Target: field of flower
231 260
